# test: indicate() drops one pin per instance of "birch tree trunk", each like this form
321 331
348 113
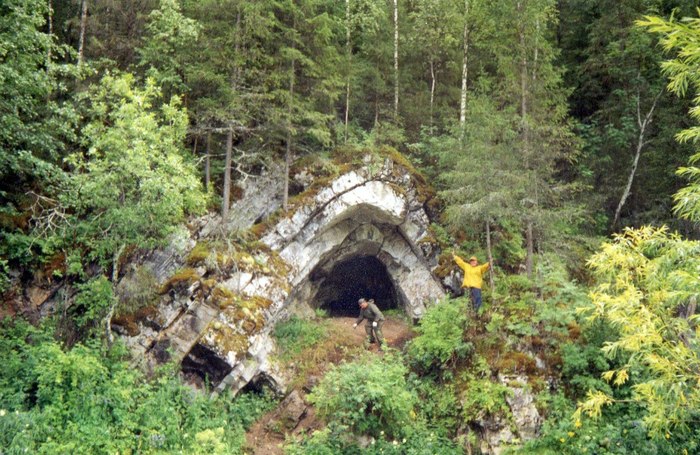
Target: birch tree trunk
227 175
83 26
490 254
432 90
396 59
348 50
207 163
465 60
113 306
643 124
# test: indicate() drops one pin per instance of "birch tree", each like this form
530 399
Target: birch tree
396 58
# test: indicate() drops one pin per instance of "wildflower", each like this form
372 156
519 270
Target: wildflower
2 412
571 434
578 423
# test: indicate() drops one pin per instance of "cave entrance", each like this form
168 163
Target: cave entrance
361 276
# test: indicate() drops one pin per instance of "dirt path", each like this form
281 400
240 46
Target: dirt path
265 436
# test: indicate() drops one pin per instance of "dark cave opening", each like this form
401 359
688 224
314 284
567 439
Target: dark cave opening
348 281
205 365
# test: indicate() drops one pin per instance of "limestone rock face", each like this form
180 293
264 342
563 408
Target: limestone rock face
501 434
359 215
218 308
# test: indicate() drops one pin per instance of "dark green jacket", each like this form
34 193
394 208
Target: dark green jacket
371 313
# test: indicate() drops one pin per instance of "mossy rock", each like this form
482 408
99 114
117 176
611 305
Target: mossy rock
182 279
517 362
130 321
199 254
227 339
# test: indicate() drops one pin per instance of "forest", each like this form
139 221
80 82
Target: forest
560 140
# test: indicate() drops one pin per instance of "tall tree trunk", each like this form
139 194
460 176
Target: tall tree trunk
396 59
113 306
490 254
225 206
83 26
643 124
432 91
465 60
207 162
288 152
525 134
348 50
227 175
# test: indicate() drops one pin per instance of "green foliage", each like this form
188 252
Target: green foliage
647 280
619 433
134 185
334 440
368 396
37 121
482 397
4 277
683 72
170 34
440 335
295 335
89 400
92 302
438 404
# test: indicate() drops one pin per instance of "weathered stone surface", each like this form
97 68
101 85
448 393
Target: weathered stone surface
359 214
500 434
526 417
289 413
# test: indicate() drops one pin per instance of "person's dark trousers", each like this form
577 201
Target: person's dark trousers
475 295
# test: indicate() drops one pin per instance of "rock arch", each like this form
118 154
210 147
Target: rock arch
358 217
364 219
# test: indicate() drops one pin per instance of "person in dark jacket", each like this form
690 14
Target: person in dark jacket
375 321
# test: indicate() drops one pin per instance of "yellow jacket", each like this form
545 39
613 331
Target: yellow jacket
472 274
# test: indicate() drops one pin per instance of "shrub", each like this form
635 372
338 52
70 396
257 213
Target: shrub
92 302
440 335
90 400
369 396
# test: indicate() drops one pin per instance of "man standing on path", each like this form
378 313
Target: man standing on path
473 278
375 321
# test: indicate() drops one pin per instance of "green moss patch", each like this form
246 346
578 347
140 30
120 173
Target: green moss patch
183 278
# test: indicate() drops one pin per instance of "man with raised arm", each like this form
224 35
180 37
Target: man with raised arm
473 278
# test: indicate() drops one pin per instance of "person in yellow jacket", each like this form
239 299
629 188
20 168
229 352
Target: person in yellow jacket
473 277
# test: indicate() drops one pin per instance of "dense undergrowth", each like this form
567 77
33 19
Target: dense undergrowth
90 400
432 397
435 396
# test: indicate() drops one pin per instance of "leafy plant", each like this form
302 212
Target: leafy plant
440 335
369 396
90 400
648 279
92 302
